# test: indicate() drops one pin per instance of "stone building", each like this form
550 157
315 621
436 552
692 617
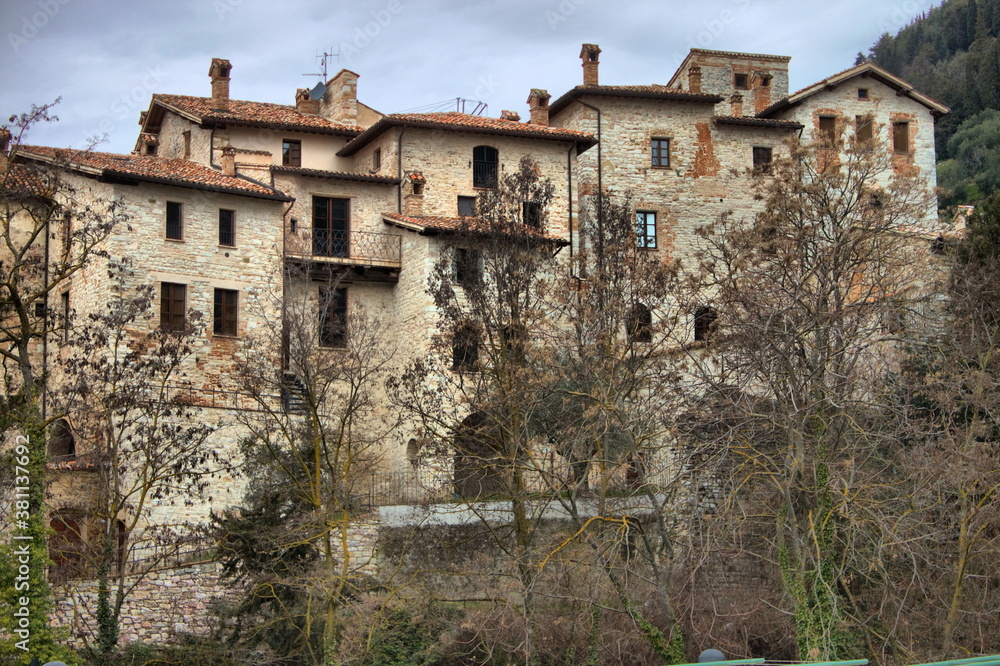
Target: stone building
238 206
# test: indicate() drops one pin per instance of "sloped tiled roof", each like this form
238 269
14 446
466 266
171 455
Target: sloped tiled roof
751 121
20 181
654 91
253 114
467 123
864 69
434 223
149 168
337 175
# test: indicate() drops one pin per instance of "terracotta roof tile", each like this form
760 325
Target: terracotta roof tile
21 181
434 223
751 121
255 114
653 91
169 171
468 123
337 175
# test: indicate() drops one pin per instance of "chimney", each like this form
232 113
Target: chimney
228 161
510 115
304 104
737 105
340 101
219 72
538 102
590 54
694 78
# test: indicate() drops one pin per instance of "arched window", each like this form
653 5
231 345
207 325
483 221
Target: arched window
640 324
485 160
62 444
704 323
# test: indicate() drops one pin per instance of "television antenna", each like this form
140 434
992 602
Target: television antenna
324 61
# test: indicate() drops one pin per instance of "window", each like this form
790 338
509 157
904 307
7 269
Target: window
762 159
333 317
639 324
187 144
62 444
531 214
173 298
862 93
468 266
704 323
291 153
645 228
485 160
465 348
225 312
467 206
377 159
64 302
331 227
741 81
175 224
863 131
227 227
660 152
901 136
827 128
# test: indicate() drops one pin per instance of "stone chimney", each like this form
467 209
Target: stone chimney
590 55
762 91
340 101
219 73
303 104
510 115
737 105
694 78
228 160
538 103
414 200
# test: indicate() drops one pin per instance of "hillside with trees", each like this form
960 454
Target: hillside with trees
952 53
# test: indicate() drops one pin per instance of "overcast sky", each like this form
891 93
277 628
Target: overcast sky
106 58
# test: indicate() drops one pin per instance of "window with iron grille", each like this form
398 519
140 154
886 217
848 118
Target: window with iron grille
333 317
173 302
645 229
227 227
485 163
291 153
331 227
225 312
175 225
660 152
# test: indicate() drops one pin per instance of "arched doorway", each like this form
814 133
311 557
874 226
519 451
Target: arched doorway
477 463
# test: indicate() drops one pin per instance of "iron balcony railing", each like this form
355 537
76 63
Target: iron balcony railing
348 247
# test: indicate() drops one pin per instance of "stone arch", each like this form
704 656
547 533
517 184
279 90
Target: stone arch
477 465
62 443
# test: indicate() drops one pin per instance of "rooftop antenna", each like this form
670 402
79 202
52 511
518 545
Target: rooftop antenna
324 61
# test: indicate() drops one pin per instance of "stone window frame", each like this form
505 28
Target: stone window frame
483 158
827 134
898 125
658 145
291 152
643 239
225 312
232 228
173 306
741 83
864 94
174 219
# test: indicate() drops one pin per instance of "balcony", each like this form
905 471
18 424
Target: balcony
368 255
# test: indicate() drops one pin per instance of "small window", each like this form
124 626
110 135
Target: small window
187 144
465 348
293 225
175 223
66 314
645 228
62 444
173 303
827 128
704 323
762 159
531 214
150 149
901 137
377 159
639 324
291 153
468 266
467 206
485 163
765 81
862 93
333 317
864 132
660 152
741 81
225 312
227 227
